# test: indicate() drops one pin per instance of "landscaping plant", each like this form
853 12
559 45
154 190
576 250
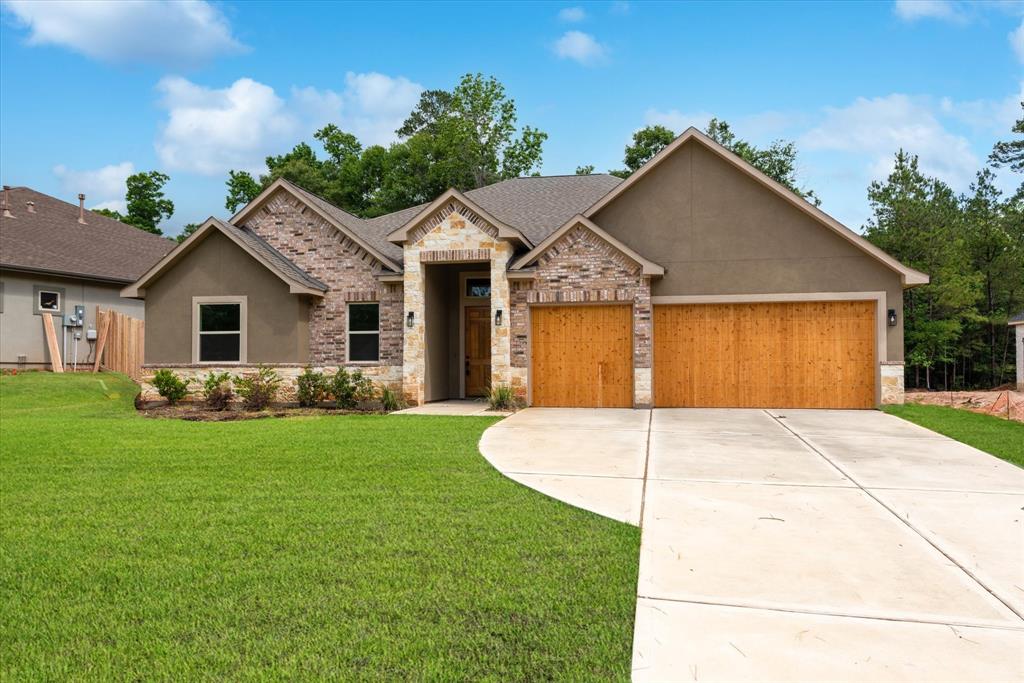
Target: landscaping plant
170 386
258 389
501 397
217 390
391 400
312 388
363 389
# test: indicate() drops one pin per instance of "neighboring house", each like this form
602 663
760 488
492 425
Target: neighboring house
1017 322
55 256
698 281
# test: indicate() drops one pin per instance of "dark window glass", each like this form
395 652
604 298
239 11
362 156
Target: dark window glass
362 347
219 347
220 317
478 286
363 318
49 301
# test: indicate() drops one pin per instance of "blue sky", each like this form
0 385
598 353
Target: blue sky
92 91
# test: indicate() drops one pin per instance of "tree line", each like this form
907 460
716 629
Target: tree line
972 244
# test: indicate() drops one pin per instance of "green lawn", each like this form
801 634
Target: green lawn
342 547
1001 438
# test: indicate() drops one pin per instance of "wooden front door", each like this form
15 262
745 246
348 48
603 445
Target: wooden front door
478 350
813 354
582 356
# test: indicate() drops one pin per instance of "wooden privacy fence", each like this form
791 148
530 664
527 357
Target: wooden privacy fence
120 343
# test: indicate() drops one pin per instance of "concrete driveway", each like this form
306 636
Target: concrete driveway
795 544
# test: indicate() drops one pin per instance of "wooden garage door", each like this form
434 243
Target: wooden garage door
770 355
582 356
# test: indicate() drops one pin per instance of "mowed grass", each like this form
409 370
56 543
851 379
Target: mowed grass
341 547
1002 438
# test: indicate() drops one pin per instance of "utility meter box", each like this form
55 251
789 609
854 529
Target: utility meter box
90 334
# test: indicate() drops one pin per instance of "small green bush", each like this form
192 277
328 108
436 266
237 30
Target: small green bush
501 397
312 388
258 389
170 386
351 388
391 400
217 390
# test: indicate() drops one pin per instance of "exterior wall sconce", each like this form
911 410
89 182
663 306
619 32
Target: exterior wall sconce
410 319
497 318
892 317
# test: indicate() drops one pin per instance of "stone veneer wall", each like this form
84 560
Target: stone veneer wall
390 376
347 269
581 267
454 234
892 382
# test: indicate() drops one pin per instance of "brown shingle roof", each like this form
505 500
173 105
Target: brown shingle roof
52 240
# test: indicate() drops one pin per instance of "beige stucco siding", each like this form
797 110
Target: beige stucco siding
716 230
21 331
277 320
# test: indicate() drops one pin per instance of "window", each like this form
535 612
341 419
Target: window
363 332
478 287
48 300
219 325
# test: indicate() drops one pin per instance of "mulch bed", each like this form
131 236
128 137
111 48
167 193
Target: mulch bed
200 413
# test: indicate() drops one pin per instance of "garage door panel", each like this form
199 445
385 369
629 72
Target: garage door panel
761 355
581 356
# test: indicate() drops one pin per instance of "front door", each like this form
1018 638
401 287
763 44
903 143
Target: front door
478 350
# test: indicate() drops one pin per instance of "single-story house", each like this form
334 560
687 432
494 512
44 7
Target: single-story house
697 281
1017 322
56 258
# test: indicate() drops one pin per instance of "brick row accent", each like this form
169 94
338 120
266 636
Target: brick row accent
348 270
454 255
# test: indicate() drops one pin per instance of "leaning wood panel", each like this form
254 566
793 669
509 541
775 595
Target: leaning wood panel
51 344
582 356
765 355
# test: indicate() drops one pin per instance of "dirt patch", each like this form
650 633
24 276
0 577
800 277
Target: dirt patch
1005 404
200 413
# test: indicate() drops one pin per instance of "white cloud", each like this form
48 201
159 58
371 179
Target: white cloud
580 47
988 116
876 128
621 7
1017 41
572 14
104 187
210 130
178 33
119 205
912 10
675 120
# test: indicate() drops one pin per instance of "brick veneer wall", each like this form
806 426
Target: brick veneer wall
347 269
581 267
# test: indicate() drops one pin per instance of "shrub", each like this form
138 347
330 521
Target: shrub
170 386
501 397
258 389
391 400
217 390
350 388
312 388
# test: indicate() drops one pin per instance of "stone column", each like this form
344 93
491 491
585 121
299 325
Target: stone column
892 382
413 350
501 300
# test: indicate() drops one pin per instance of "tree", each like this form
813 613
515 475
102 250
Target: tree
242 189
646 143
146 203
1010 152
187 231
585 170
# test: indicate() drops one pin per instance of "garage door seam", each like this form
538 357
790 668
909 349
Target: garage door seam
895 514
827 613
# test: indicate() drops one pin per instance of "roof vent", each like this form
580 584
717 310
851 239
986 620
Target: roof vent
81 208
30 206
6 204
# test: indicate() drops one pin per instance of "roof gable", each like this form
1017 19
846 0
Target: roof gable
298 281
647 267
908 275
446 203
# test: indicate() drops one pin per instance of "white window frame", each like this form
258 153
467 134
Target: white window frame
349 332
52 311
243 321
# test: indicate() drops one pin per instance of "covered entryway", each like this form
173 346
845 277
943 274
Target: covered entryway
582 356
807 354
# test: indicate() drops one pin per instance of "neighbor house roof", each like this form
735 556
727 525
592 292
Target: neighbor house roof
909 276
51 240
1017 319
298 280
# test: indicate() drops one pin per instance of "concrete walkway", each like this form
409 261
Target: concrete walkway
795 545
